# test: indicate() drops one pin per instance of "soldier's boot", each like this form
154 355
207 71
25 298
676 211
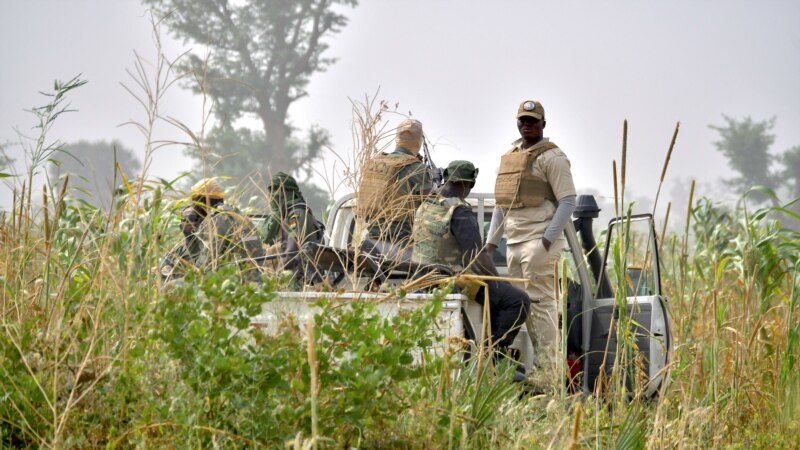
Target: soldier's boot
507 355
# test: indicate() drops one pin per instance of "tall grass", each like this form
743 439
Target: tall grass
91 354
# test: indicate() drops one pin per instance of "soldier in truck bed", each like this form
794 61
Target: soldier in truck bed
290 225
447 232
290 217
183 255
227 235
392 186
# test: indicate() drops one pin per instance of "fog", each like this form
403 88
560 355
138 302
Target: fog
461 68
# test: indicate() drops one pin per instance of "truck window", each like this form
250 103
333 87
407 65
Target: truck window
631 258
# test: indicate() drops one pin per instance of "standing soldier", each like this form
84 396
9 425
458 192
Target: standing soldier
535 197
392 187
226 234
447 232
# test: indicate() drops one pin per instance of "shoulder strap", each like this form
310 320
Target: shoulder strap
540 148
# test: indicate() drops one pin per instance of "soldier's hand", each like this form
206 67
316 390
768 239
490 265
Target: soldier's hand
546 244
491 248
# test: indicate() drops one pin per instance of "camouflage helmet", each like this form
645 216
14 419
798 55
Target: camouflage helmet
283 181
460 170
409 135
207 187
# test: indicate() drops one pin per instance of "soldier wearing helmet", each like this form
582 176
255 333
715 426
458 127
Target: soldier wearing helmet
392 186
447 232
535 197
227 236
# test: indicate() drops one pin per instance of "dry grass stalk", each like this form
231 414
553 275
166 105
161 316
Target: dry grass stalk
616 190
312 364
624 161
576 426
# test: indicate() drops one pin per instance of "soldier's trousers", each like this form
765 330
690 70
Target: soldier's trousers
508 307
531 261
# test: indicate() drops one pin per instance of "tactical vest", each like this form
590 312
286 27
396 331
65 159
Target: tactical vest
315 230
381 195
228 237
433 241
516 186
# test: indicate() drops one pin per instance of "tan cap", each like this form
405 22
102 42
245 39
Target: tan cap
531 108
208 187
409 135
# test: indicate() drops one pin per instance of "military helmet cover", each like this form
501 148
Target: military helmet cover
409 135
208 187
460 170
531 108
285 181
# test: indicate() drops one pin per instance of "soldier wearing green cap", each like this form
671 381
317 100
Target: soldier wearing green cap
447 232
535 197
392 186
290 217
227 236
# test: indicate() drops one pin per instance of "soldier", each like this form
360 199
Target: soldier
290 218
183 256
291 224
227 235
535 197
392 187
447 232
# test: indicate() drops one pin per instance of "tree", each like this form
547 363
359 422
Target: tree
240 154
791 171
746 145
263 53
91 167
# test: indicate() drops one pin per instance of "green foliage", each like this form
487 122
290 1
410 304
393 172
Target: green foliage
92 355
735 306
6 162
791 177
257 385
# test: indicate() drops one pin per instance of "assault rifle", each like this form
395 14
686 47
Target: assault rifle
437 173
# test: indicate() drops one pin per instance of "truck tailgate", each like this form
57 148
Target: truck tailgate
449 321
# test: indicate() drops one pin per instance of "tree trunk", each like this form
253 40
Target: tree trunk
276 153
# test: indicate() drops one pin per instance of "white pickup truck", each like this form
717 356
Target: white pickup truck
593 305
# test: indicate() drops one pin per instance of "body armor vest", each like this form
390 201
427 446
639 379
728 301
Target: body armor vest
227 237
433 241
381 195
516 186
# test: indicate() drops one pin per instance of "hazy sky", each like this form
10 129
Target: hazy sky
461 67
